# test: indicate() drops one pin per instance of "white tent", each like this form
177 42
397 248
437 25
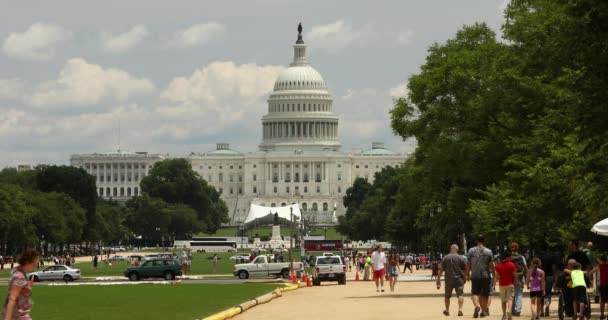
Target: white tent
601 228
257 212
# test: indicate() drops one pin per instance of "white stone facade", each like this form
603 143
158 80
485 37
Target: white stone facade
299 159
117 175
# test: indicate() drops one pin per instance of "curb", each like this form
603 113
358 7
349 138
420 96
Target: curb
240 308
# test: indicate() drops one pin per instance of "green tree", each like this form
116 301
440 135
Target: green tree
175 182
148 218
17 229
79 185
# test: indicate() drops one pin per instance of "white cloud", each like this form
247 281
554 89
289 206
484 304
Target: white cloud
404 38
38 42
9 119
364 117
125 41
335 36
83 83
220 95
11 88
399 90
198 34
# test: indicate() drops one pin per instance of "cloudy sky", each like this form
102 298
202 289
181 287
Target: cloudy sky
180 76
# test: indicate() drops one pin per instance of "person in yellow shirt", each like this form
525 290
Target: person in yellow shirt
368 267
579 290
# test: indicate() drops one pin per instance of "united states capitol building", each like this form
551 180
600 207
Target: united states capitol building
298 160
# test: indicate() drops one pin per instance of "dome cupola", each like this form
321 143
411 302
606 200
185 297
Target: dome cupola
300 113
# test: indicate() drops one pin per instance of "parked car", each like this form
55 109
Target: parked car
118 258
56 272
118 249
329 268
167 269
260 266
241 257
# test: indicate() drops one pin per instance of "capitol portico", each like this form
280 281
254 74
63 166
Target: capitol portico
298 161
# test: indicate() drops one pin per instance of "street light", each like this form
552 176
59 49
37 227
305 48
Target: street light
242 232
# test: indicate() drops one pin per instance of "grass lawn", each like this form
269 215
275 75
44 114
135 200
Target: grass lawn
201 265
133 302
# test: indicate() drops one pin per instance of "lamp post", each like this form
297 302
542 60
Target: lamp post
157 230
325 229
42 245
242 232
291 238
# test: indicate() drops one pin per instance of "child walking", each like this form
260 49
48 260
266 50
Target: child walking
536 284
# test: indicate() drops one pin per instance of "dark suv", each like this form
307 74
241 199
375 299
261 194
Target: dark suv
154 268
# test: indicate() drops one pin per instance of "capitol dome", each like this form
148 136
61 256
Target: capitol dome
300 115
300 78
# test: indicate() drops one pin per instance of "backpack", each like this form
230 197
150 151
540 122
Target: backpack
518 260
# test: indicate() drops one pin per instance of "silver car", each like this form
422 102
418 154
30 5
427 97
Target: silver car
56 272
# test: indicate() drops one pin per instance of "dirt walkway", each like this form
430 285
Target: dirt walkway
359 300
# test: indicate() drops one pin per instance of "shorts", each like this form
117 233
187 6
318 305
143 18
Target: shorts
379 274
579 294
392 271
536 294
506 293
604 292
480 287
454 285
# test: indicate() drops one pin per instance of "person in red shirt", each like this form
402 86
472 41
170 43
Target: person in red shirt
602 267
423 261
506 276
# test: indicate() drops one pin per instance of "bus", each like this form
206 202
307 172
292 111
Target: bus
323 245
206 246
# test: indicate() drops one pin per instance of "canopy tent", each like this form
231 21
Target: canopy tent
601 228
266 214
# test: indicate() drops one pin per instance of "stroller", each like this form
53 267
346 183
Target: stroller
565 304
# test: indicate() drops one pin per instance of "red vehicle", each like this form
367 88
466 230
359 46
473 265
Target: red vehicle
323 245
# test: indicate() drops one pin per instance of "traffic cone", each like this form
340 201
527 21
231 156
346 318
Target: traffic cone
357 277
308 282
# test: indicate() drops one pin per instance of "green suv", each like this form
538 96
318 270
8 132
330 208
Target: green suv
154 268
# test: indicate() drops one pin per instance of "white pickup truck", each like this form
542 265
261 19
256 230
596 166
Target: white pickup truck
329 268
261 267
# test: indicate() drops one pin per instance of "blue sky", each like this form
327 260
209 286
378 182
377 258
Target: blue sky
180 76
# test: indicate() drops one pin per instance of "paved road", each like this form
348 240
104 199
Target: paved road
411 300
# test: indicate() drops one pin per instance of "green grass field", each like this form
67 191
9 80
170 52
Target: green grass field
133 302
332 234
201 265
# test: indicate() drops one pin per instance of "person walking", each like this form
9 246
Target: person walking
579 290
215 263
550 262
367 267
506 276
478 268
379 266
18 303
522 271
95 262
453 266
536 284
602 268
407 264
393 269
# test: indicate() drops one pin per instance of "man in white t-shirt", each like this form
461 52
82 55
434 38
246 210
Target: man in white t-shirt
379 266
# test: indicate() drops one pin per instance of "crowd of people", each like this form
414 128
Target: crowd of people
546 274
